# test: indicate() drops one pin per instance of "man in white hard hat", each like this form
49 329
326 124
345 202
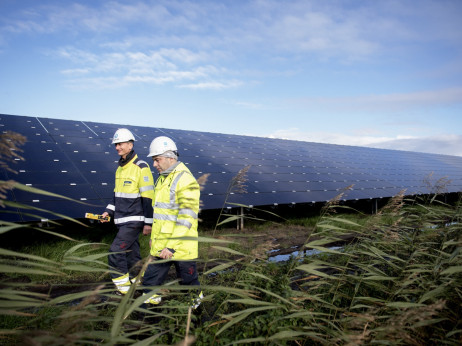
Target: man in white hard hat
131 209
174 231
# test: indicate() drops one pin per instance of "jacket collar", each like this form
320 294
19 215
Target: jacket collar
130 156
170 169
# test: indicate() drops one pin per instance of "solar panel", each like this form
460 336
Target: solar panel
76 159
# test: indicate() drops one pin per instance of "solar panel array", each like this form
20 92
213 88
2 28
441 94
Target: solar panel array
76 159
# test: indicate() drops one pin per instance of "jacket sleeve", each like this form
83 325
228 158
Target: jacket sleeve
188 197
146 186
110 208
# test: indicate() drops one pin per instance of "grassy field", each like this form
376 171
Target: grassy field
397 280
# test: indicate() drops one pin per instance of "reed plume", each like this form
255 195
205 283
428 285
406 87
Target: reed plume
9 148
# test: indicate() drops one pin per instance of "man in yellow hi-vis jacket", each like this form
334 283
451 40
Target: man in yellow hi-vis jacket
176 208
131 209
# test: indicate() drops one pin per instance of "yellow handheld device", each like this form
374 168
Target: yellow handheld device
97 217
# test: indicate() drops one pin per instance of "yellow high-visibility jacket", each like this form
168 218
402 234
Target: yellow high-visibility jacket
133 193
176 209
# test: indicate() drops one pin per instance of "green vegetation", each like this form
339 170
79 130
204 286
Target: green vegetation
396 281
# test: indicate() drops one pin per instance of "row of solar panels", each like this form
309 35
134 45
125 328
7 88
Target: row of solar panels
76 159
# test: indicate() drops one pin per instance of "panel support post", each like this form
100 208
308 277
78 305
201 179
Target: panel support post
240 219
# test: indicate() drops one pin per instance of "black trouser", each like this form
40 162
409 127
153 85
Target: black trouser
156 273
125 240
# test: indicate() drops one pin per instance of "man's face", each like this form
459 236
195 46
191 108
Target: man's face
162 163
124 148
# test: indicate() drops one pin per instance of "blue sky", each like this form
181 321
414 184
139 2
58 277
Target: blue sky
372 73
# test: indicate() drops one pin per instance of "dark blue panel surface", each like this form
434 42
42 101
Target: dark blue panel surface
77 159
78 192
49 178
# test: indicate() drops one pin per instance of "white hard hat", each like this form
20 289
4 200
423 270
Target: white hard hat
122 135
160 145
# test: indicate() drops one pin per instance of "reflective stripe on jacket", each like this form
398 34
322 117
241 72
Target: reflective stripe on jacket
176 208
133 193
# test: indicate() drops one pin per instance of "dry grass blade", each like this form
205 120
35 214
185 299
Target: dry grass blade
202 180
238 181
9 148
333 202
5 186
438 186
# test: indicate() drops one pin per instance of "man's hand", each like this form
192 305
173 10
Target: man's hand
104 215
165 254
147 230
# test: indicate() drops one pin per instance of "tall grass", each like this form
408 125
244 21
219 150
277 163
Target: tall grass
397 280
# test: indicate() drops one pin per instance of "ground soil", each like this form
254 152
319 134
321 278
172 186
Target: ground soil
274 240
283 239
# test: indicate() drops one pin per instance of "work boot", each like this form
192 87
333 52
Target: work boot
154 299
122 283
136 281
197 302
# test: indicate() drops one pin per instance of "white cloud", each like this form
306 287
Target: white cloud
185 35
327 137
384 102
154 67
214 85
250 105
449 144
321 31
344 32
75 72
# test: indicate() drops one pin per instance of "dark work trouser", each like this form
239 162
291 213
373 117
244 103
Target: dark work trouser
125 249
156 273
